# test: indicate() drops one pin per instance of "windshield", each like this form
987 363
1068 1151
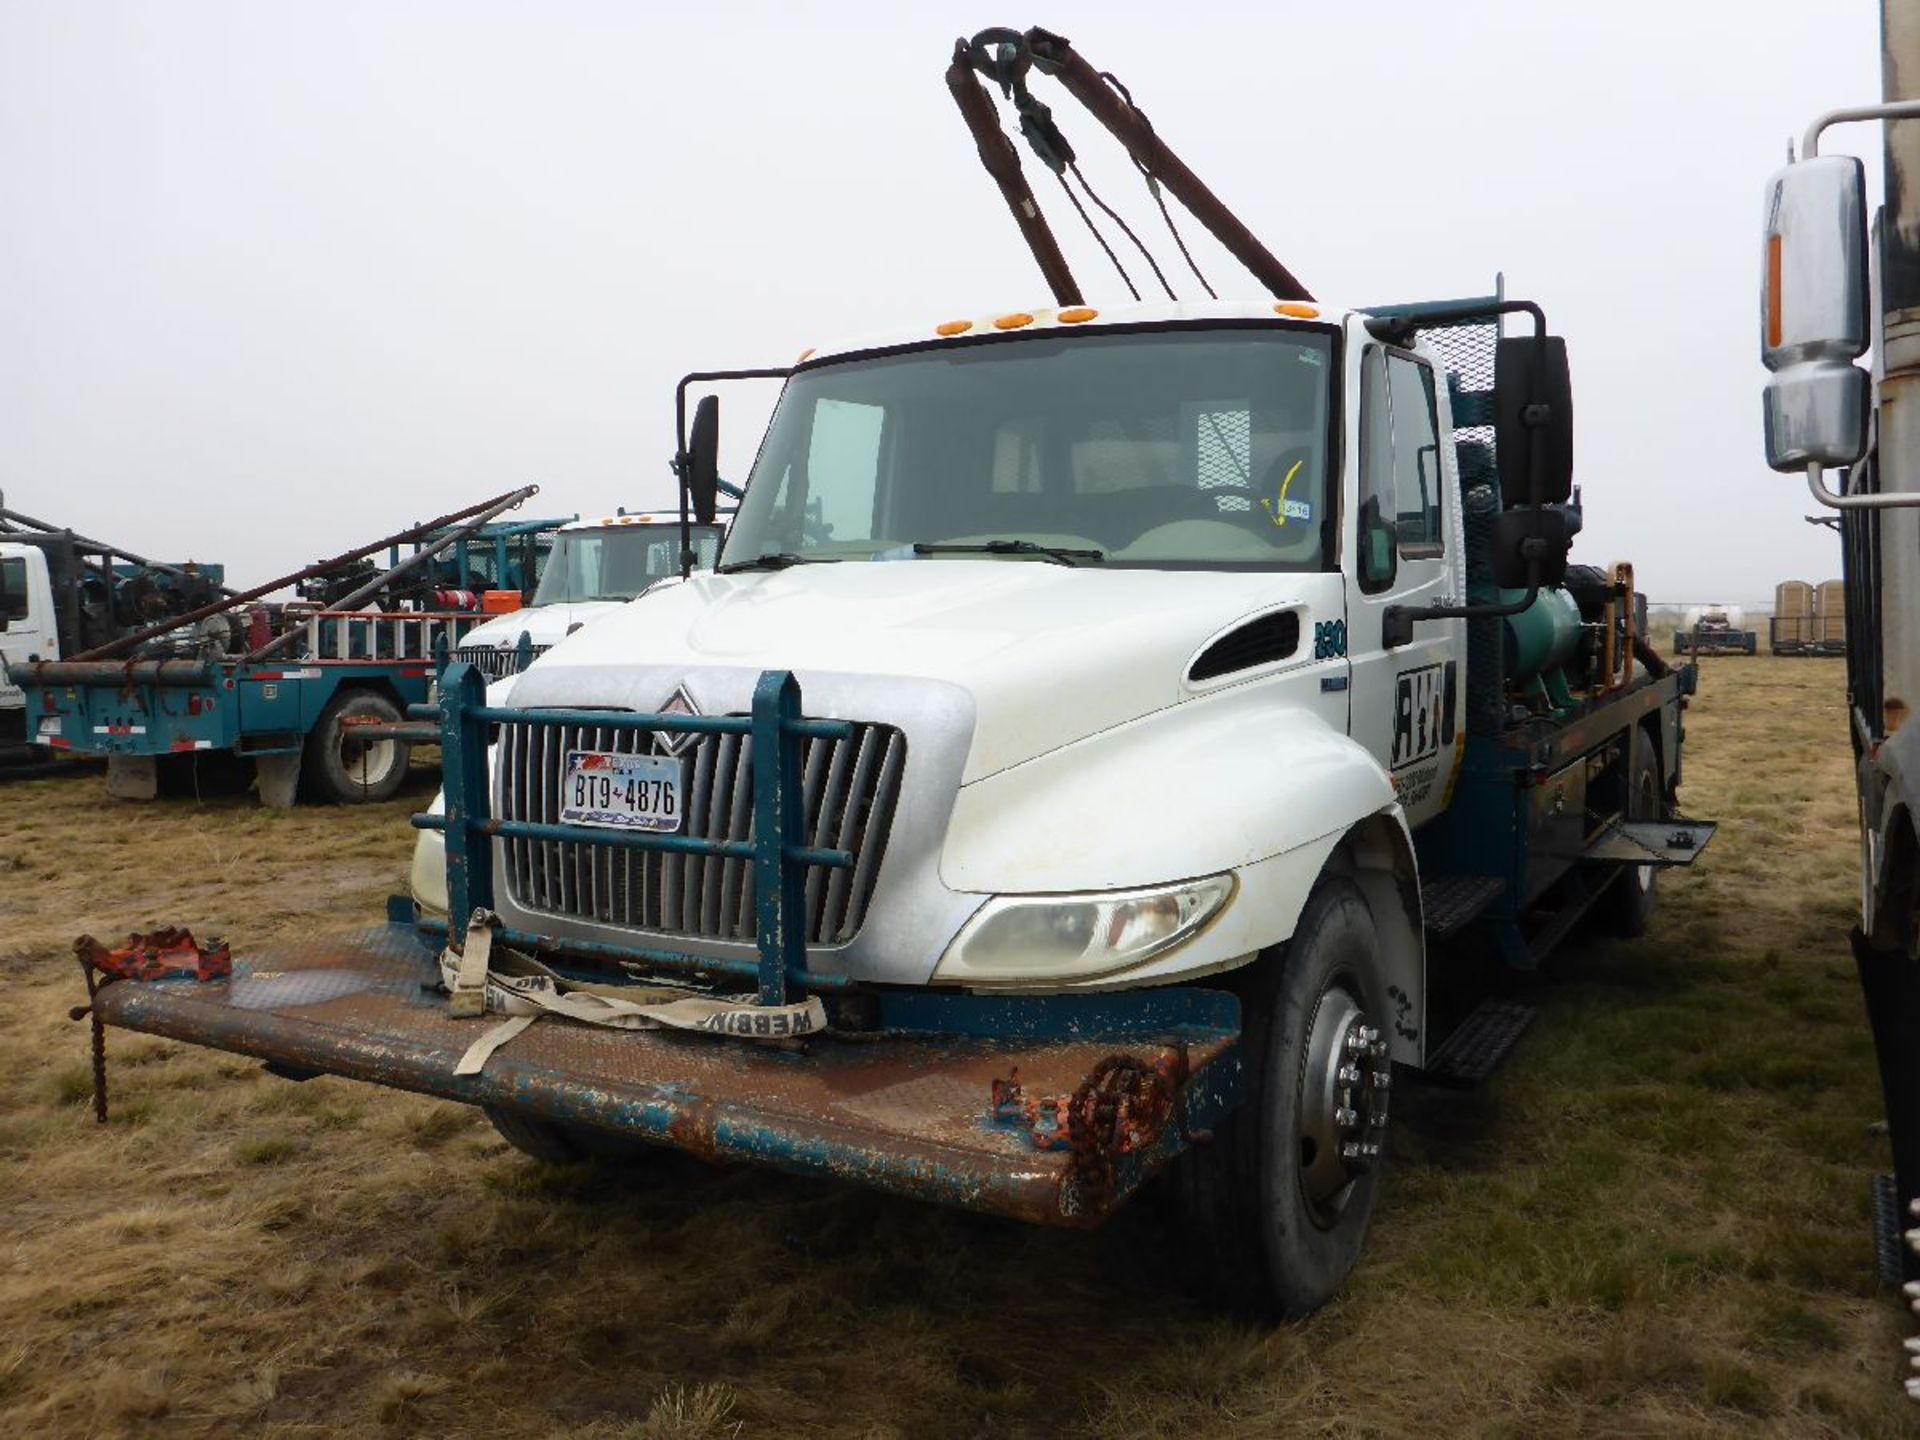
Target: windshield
618 563
1195 447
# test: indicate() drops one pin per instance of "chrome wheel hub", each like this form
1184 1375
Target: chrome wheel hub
1343 1101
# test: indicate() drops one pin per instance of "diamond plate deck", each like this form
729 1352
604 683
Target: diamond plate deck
906 1114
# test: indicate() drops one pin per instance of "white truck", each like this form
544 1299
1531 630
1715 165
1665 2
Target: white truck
595 567
1835 289
26 628
1113 740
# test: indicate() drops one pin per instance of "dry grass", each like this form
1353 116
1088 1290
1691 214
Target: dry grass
1653 1222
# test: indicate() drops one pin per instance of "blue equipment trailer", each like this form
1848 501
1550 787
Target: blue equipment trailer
298 701
294 718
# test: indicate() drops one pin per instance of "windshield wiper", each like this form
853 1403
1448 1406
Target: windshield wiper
776 560
1059 555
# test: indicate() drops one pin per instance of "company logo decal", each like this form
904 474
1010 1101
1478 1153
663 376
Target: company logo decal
674 742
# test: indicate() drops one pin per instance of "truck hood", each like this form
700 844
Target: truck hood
1049 653
545 624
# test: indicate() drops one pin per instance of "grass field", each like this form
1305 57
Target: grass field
1652 1222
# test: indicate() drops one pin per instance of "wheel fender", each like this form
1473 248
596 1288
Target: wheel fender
1274 796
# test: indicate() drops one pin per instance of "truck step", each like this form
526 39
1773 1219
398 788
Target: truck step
1479 1043
1453 902
1886 1230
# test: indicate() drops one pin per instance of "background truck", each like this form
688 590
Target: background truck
1834 289
61 593
282 687
593 568
1114 739
1715 633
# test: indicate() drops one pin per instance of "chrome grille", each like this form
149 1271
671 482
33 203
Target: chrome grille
849 789
496 664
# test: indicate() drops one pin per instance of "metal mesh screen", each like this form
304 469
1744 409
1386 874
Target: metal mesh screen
1223 452
1468 354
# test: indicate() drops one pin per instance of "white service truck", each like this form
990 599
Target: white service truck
595 567
1115 740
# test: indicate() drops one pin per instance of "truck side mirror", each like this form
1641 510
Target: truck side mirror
1814 314
1533 405
1522 534
701 469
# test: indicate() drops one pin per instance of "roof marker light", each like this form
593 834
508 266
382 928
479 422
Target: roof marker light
1297 312
1013 321
805 355
953 327
1078 315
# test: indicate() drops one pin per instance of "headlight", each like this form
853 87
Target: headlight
1019 938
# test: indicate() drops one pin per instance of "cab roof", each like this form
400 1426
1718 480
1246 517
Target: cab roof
1080 317
635 517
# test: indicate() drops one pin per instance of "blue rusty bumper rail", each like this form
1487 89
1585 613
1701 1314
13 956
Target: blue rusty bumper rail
903 1110
780 858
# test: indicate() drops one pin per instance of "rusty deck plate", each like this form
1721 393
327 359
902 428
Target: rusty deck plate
906 1114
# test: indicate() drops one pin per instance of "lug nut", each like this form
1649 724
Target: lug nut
1383 1079
1344 1117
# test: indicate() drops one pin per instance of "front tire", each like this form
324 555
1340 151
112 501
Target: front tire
1280 1199
1633 896
345 769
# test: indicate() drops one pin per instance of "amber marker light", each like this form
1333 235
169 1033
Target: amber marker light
805 355
953 327
1774 326
1078 315
1297 312
1013 322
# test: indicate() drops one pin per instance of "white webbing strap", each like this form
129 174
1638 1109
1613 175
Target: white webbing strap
467 986
520 987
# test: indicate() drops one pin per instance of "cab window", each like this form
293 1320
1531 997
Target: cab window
13 588
1400 476
1376 565
1416 457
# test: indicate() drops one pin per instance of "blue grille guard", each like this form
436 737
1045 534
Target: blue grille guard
780 860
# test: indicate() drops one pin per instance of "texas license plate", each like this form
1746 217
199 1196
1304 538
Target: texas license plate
620 792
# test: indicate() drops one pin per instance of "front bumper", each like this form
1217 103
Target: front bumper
906 1110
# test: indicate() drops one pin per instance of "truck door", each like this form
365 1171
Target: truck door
26 603
1407 704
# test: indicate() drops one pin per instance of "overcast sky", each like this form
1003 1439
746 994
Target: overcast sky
276 278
